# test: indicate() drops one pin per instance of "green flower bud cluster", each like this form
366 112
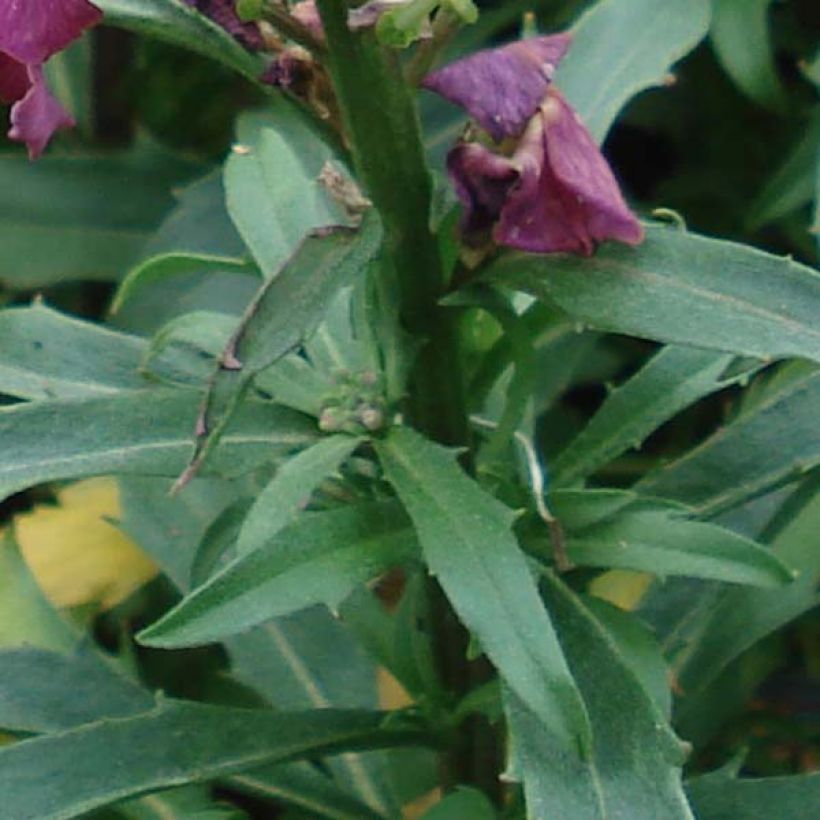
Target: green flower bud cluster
356 405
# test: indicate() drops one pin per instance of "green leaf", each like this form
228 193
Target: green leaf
673 379
741 39
158 268
739 618
319 558
621 47
792 185
301 784
218 541
639 649
649 535
468 545
182 25
272 185
61 775
766 446
26 617
461 804
720 796
182 803
682 288
284 312
82 217
46 691
634 768
281 501
48 355
138 432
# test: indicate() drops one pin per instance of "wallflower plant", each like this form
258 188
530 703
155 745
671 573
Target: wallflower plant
400 551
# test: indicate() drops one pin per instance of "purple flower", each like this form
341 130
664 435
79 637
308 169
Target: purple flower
502 87
555 192
31 31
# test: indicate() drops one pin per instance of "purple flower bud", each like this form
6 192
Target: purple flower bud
555 194
223 13
30 33
307 14
501 88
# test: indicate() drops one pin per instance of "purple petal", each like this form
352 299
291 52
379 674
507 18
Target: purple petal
501 88
37 115
568 199
14 82
482 181
32 30
368 15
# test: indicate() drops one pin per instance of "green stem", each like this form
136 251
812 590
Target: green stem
382 126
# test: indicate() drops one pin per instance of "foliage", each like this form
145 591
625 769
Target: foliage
312 506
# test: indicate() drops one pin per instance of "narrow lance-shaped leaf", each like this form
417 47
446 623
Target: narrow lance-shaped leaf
281 500
671 381
48 355
320 558
137 432
635 766
33 687
621 47
282 314
652 536
764 447
682 288
742 41
468 545
739 618
61 775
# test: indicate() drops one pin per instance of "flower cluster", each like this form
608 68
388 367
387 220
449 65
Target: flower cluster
543 186
32 31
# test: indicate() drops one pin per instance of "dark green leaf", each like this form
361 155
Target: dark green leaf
176 22
44 691
61 775
792 185
738 618
281 501
772 442
138 432
83 217
741 39
650 535
468 545
718 796
461 804
671 381
284 313
272 185
48 355
621 47
319 558
682 288
634 769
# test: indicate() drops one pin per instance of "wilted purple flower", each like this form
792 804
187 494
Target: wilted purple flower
555 192
31 31
502 87
223 13
307 14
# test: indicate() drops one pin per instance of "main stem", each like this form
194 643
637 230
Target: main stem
382 127
381 124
